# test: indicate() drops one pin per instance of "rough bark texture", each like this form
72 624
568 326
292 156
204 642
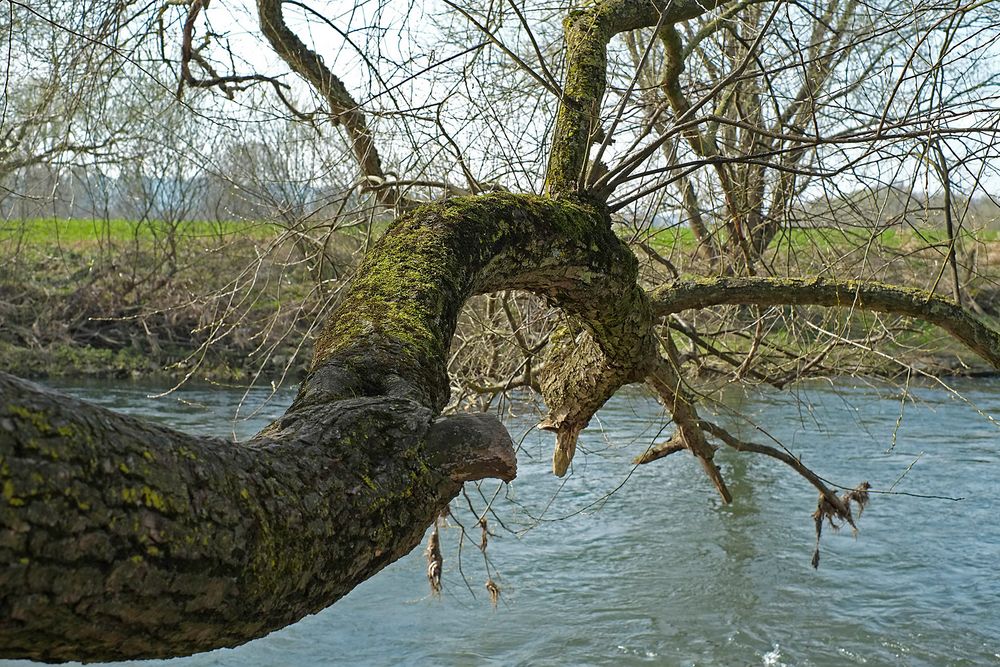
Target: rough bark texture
588 32
128 540
601 349
582 372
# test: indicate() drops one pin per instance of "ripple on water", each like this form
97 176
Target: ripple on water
658 572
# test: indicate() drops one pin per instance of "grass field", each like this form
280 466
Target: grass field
79 233
120 297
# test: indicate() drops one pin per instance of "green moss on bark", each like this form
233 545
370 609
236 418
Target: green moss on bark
401 312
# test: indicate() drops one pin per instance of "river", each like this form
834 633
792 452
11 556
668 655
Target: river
623 566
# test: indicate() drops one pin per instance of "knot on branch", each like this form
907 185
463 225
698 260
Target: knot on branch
470 447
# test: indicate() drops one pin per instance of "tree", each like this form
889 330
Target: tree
128 540
52 110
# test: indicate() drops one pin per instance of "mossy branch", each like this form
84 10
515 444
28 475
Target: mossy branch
972 332
587 34
182 544
121 539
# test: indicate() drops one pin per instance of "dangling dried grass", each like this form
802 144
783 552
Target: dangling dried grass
837 512
494 590
484 535
859 495
434 561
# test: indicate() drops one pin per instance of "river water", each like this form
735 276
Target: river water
623 566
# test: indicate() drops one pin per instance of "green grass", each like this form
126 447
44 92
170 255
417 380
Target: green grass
74 233
674 237
119 285
127 298
829 238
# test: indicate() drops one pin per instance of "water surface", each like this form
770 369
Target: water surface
623 566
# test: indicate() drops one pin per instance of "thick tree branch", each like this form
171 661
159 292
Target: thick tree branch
125 540
587 364
588 32
863 295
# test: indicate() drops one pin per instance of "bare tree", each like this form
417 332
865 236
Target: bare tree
57 56
181 544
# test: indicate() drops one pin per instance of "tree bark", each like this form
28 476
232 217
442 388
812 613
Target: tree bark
127 540
587 34
861 295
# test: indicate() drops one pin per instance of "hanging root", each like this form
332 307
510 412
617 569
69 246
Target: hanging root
832 513
434 560
484 539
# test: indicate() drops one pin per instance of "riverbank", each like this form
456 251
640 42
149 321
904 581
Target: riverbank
238 302
219 302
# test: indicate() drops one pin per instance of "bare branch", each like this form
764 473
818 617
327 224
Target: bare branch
666 381
856 294
343 109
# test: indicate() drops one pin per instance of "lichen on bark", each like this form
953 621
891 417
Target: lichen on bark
869 295
587 33
180 544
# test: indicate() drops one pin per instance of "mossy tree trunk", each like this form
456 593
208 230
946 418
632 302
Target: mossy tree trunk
126 540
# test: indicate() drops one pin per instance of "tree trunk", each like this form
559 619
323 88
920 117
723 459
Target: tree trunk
127 540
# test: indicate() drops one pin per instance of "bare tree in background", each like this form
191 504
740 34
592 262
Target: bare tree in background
55 82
